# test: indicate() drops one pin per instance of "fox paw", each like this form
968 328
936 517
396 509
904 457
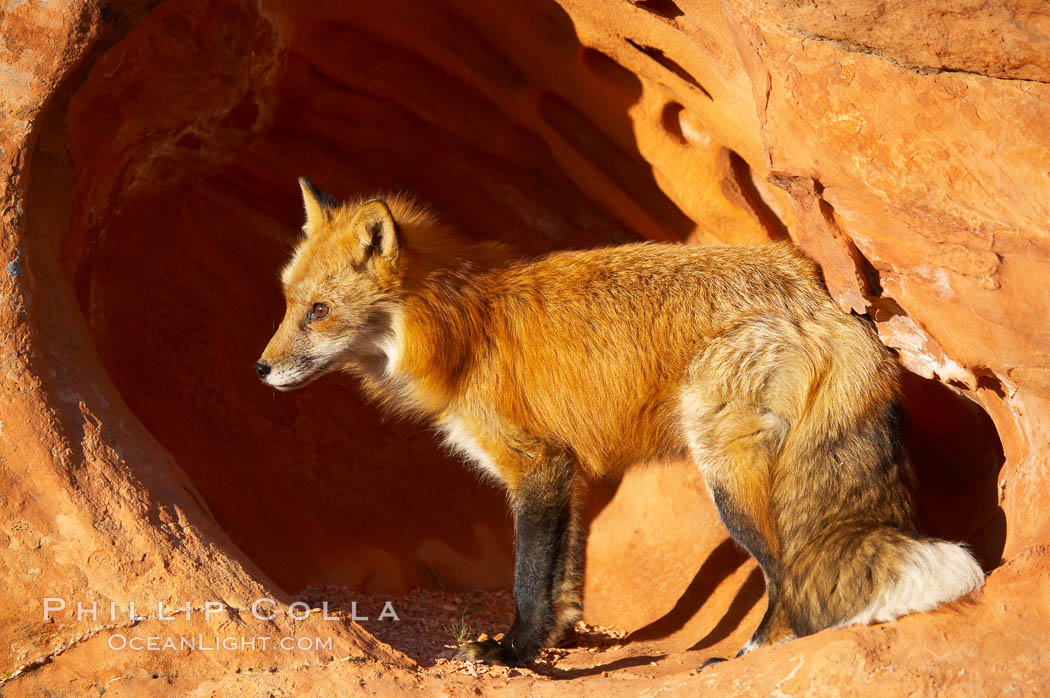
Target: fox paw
484 651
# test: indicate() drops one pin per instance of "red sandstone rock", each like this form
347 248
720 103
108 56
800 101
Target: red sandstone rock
148 197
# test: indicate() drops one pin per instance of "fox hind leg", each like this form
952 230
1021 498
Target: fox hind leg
735 443
736 452
746 513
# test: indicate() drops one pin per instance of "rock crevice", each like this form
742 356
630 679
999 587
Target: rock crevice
149 156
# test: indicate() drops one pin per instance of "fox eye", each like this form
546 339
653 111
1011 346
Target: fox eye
320 311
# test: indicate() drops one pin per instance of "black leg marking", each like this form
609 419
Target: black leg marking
542 524
745 532
567 586
761 635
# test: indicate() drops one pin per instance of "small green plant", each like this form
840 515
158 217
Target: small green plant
461 630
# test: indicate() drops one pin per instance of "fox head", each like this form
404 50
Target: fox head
340 288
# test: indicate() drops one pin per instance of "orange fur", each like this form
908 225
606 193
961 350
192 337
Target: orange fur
599 359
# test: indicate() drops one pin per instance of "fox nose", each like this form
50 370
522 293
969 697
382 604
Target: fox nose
262 369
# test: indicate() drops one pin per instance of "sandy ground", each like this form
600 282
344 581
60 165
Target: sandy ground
432 624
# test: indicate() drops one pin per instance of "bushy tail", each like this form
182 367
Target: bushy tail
932 572
853 554
818 397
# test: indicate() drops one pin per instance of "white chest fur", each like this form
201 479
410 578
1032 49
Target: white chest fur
463 443
454 432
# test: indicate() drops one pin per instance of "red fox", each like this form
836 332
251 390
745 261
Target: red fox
545 372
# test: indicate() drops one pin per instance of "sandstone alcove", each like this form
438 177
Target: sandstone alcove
161 201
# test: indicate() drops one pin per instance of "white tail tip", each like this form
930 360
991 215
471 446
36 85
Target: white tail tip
933 572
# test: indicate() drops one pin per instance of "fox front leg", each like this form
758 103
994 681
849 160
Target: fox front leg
543 523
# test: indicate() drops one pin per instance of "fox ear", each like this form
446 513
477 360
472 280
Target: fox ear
375 232
315 203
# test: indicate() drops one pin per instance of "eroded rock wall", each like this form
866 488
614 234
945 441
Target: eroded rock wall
149 154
